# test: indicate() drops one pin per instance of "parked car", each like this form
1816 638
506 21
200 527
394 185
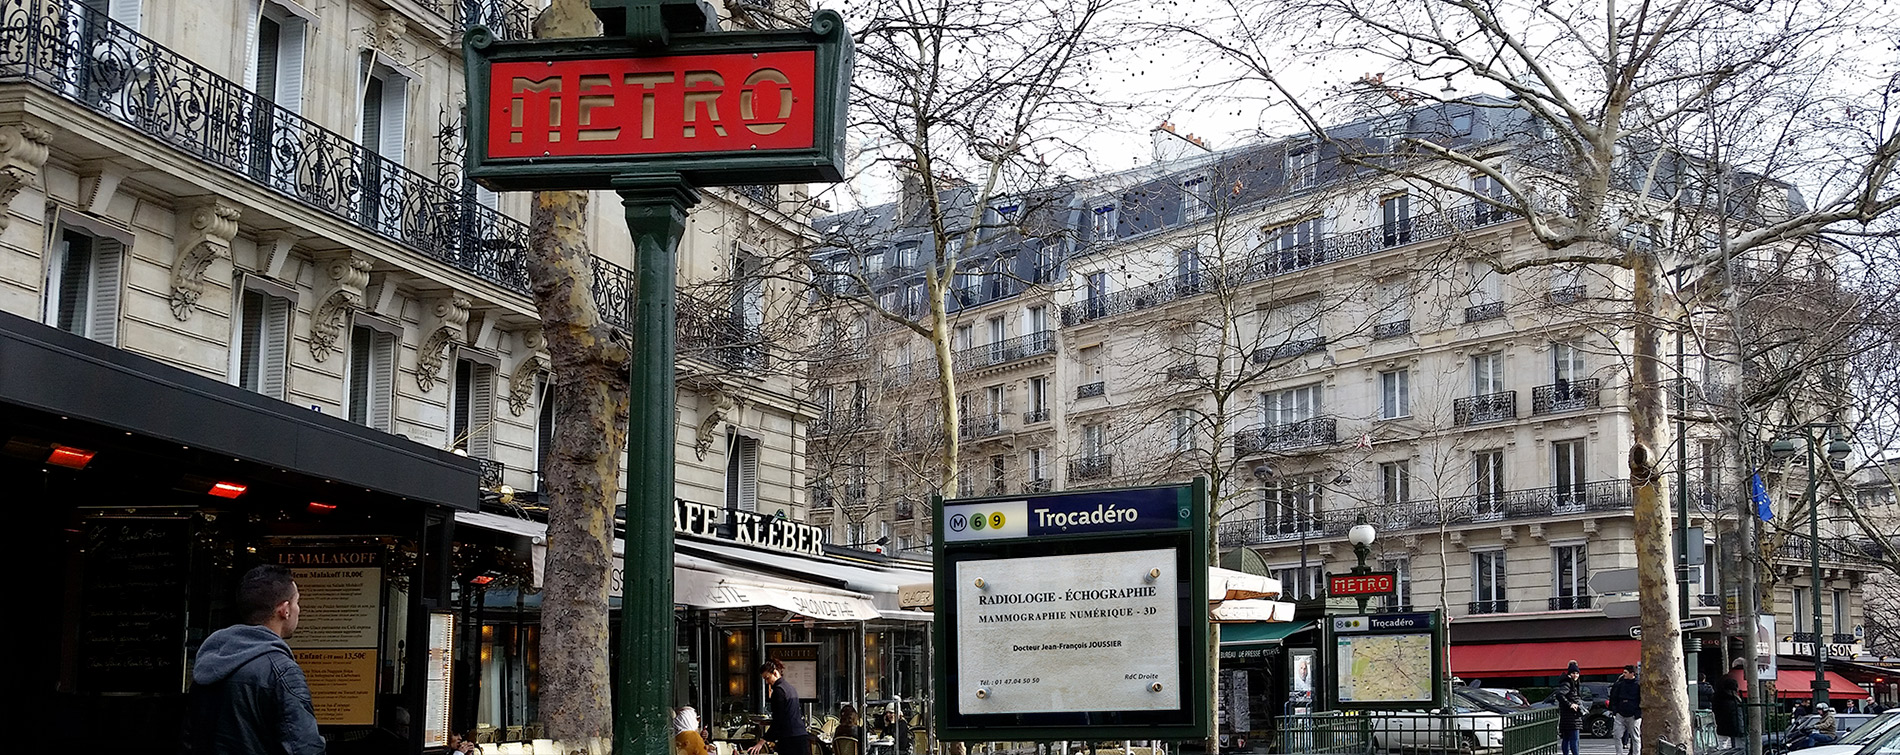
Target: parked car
1475 723
1507 693
1597 720
1855 729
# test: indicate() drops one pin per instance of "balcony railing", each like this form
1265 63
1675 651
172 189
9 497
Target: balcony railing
1842 638
1835 550
1486 311
1091 467
899 375
838 422
1038 486
1565 396
1003 352
705 331
979 426
1566 295
1091 390
1318 431
1271 260
1270 530
1604 497
491 471
1288 350
82 55
1570 603
1708 600
1490 407
1035 416
1393 329
1477 607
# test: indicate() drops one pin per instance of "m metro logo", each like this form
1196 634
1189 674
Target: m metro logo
986 521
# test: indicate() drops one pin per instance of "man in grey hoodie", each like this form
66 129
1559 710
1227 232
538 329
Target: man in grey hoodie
248 696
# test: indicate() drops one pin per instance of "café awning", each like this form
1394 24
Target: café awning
1543 658
1797 684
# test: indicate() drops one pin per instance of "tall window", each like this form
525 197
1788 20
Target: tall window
1292 504
1102 225
1395 301
472 407
276 72
262 351
1302 169
1488 585
1803 607
1487 287
1289 406
999 329
1395 219
1839 608
742 472
1487 374
1566 364
1485 187
748 294
1097 294
907 255
1187 266
1038 464
1038 399
1567 472
993 400
1395 481
1184 431
82 284
1395 394
1035 319
372 374
999 472
961 336
874 265
1094 440
1194 198
1299 583
1295 245
1401 597
383 132
543 430
1570 576
1488 471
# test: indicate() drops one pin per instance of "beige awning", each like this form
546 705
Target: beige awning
704 589
1227 584
1251 610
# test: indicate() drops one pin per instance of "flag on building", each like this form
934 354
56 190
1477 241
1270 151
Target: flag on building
1764 508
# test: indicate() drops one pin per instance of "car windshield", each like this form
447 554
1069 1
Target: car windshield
1491 701
1885 743
1871 729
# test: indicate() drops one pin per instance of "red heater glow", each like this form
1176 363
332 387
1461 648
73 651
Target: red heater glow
69 457
227 489
318 507
482 580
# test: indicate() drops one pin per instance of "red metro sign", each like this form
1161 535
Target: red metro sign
735 102
716 108
1376 583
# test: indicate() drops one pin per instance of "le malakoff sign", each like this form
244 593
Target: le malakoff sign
716 108
1073 616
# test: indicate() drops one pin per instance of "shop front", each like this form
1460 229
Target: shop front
1266 671
747 587
150 490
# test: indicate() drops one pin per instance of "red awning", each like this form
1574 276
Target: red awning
1797 684
1543 658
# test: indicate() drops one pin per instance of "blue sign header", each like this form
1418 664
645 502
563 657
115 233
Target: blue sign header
1145 509
1383 622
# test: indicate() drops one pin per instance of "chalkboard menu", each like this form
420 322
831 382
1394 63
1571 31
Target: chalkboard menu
132 606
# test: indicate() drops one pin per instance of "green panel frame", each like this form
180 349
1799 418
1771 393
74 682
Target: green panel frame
1190 534
1330 663
823 162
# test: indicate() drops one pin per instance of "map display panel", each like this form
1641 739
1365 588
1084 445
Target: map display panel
1385 668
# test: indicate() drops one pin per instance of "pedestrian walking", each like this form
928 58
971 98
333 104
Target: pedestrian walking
1570 711
1626 703
1729 726
248 695
1704 692
787 731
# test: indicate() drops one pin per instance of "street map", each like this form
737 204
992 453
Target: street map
1385 668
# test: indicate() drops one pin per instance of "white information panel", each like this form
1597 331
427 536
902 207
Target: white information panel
1089 632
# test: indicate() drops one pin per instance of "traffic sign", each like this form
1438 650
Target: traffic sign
1613 580
1622 609
1687 625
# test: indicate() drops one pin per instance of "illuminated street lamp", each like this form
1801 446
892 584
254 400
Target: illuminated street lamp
1361 536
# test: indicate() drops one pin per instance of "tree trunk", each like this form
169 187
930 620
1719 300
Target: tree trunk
1664 681
938 285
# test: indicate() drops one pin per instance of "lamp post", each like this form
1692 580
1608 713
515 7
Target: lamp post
1361 535
1264 473
1837 450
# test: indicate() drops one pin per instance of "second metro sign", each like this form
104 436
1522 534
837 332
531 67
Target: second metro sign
718 108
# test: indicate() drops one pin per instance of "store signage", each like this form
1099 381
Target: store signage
1376 583
748 528
1834 649
1387 660
1073 616
715 108
340 633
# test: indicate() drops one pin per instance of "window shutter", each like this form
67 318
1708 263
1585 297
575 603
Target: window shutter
125 12
486 198
382 382
107 260
290 47
362 346
481 411
250 334
275 349
257 67
74 279
749 474
395 115
544 430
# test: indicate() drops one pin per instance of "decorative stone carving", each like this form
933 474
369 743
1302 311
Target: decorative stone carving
718 404
345 276
521 380
1537 531
213 223
23 150
386 34
444 324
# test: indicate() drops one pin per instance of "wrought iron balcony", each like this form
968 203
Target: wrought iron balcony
1038 486
82 55
492 471
1091 467
1565 396
906 509
1393 329
1035 416
704 331
1566 295
1834 550
1289 349
980 426
1569 603
1479 410
1184 371
1708 600
1091 390
1270 260
1486 311
1842 638
1603 497
1477 607
917 437
838 422
1318 431
1003 352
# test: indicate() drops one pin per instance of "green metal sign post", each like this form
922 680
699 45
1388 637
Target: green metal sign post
662 105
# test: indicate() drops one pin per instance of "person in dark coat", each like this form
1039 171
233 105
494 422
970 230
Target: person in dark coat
1728 713
1626 703
787 732
1570 711
248 696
